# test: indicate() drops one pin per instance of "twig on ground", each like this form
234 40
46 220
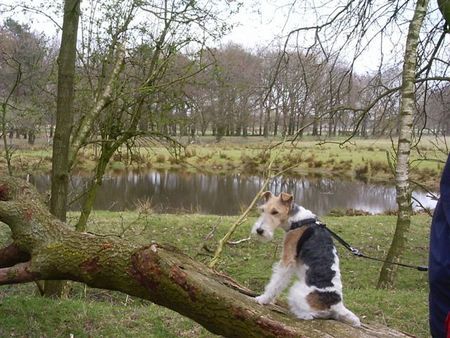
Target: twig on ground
208 237
239 241
213 230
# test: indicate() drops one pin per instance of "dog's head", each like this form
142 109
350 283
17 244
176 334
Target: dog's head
274 214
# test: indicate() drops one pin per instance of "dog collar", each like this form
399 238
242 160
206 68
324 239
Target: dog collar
303 222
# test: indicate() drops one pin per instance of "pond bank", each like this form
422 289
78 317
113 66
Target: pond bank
365 160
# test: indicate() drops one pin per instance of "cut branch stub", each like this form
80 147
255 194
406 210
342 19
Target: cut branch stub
159 273
12 255
4 192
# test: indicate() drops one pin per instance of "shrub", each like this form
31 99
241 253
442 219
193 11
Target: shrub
263 157
188 153
317 164
249 163
362 171
207 156
348 212
343 165
137 158
117 166
310 158
117 157
378 166
173 160
160 158
144 206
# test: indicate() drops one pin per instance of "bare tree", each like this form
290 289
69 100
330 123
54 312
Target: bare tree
5 105
388 271
25 62
64 120
138 85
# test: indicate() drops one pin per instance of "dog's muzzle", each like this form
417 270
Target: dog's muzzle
260 232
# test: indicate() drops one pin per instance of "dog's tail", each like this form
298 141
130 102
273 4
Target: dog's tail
342 314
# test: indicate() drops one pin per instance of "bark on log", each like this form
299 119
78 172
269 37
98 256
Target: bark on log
157 272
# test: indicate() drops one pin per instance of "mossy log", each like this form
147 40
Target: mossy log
45 248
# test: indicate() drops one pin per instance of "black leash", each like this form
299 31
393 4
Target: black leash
358 253
353 250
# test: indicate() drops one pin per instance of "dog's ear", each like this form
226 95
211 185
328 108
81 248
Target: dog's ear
266 195
286 198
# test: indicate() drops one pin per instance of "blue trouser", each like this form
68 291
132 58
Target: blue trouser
439 260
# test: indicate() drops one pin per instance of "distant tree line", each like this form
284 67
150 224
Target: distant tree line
226 91
27 60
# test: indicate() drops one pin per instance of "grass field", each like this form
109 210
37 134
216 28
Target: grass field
365 159
94 313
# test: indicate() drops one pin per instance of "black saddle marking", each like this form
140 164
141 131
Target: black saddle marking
315 249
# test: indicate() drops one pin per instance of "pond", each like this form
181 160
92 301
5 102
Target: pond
169 192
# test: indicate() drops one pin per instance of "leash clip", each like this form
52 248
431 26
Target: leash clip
355 251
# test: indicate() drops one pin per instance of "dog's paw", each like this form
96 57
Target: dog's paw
355 322
263 299
305 316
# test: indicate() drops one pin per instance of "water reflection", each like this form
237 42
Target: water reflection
228 194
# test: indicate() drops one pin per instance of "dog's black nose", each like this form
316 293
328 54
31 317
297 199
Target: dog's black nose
260 231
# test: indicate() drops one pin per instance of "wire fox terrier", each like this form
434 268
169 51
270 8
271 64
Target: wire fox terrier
308 250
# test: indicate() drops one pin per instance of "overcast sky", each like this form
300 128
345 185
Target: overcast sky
264 24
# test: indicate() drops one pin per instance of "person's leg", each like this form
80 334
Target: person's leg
439 260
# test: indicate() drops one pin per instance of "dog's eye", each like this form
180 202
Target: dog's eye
274 212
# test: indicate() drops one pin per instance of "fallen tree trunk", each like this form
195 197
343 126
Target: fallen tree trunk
45 248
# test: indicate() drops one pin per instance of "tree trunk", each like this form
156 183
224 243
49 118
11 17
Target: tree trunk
315 126
143 123
64 120
5 140
107 152
276 120
388 271
50 133
31 137
266 117
330 126
45 248
4 105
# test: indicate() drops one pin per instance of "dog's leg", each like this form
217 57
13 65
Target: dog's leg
297 301
342 314
281 276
